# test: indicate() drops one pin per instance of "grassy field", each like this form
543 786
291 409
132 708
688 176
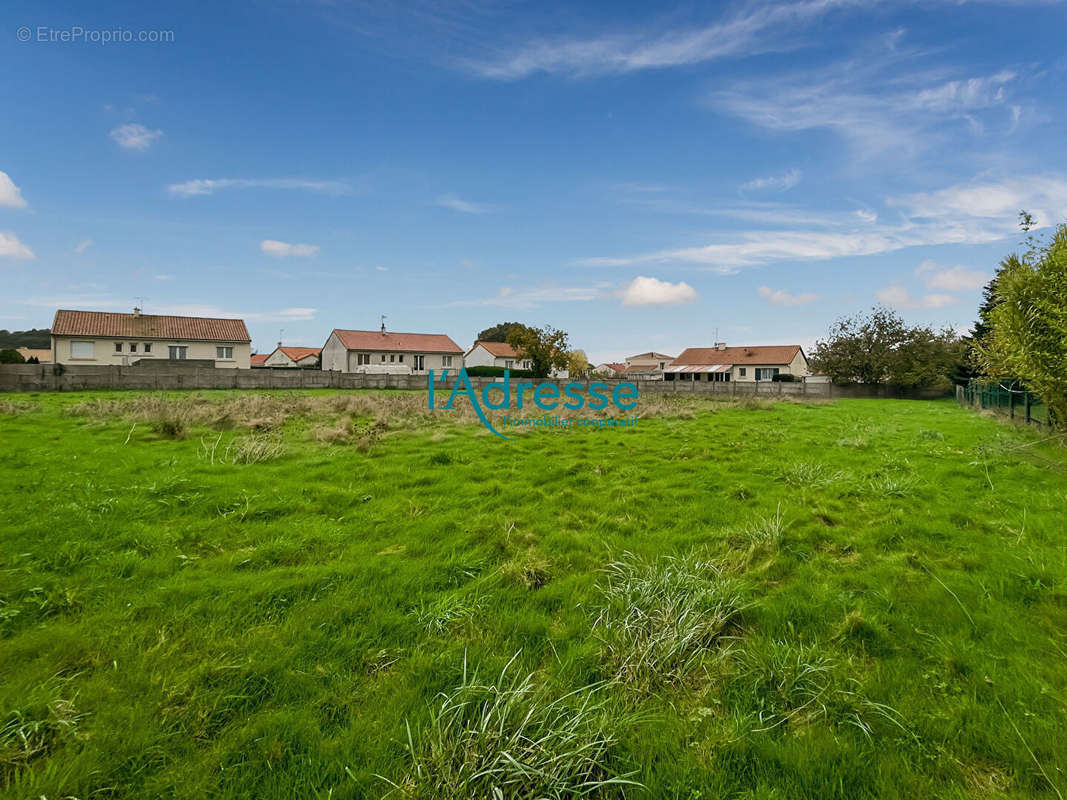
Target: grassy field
342 595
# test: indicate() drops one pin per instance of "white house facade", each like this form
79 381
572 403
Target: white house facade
293 357
110 338
389 352
495 354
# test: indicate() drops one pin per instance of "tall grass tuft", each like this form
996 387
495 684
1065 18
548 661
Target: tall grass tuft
659 618
509 738
255 448
44 721
447 612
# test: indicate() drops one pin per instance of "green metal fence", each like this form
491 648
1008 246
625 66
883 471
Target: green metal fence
1007 397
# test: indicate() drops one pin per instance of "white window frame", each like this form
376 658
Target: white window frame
418 363
224 352
362 358
178 352
509 364
446 361
767 373
147 347
118 347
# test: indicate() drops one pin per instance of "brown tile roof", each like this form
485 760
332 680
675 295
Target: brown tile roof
641 368
614 366
771 354
498 349
258 359
390 341
299 353
148 326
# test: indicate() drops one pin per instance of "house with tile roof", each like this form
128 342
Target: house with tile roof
495 354
42 356
647 366
609 370
260 359
722 363
284 356
110 338
390 352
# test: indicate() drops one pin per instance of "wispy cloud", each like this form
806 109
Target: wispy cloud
952 279
759 29
11 247
531 297
272 247
878 104
10 194
971 213
777 183
207 186
104 302
646 291
459 204
780 297
133 136
82 246
899 297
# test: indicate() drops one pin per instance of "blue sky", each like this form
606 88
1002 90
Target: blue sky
641 176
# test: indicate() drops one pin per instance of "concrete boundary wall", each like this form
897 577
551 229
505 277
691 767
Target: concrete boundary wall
45 378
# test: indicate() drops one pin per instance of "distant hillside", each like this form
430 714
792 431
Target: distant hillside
35 338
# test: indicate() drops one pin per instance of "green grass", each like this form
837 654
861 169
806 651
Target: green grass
339 595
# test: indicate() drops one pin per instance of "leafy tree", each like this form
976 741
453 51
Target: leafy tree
546 348
35 338
499 332
577 364
11 357
878 348
1028 336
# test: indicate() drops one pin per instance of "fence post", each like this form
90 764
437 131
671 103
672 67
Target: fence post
1011 404
1026 403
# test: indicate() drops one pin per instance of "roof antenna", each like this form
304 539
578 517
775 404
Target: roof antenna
137 308
383 324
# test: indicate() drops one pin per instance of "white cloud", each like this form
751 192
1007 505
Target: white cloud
11 247
777 183
780 297
1043 195
163 277
82 246
952 279
102 302
207 186
899 297
509 297
135 137
272 247
879 105
974 213
381 269
758 29
645 291
10 194
866 215
464 206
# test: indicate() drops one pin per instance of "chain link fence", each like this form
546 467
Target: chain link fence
1006 397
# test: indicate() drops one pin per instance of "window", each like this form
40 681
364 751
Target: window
525 364
766 373
508 364
178 351
118 347
419 363
400 358
133 347
742 372
383 358
392 358
81 349
662 364
148 347
225 353
362 358
446 361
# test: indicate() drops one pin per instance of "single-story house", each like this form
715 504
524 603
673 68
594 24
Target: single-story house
42 356
293 357
722 363
494 354
259 359
642 372
609 370
106 337
390 352
652 359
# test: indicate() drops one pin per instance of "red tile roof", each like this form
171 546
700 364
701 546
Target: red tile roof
615 366
258 359
148 326
772 354
300 353
498 349
390 341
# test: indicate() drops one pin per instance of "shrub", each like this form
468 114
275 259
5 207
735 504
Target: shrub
498 372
